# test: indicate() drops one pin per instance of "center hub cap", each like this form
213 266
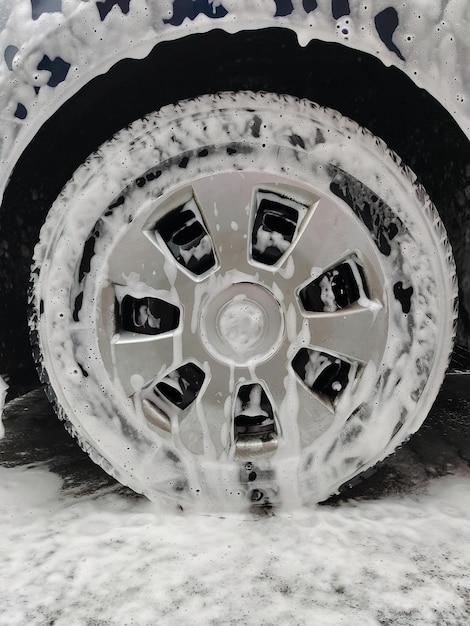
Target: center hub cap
242 325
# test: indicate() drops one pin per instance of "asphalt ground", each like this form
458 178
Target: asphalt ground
35 437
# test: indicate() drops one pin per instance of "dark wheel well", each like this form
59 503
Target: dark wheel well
382 99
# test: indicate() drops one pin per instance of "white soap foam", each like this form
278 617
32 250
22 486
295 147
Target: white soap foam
3 395
104 559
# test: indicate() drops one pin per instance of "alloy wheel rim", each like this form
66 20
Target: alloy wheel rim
208 331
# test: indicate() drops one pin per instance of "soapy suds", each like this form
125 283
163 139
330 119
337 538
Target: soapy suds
317 364
317 451
266 239
253 406
105 559
204 247
327 294
287 270
3 395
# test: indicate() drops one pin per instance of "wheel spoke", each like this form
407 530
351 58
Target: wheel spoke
240 206
355 333
225 207
331 236
301 415
215 405
136 257
312 416
139 362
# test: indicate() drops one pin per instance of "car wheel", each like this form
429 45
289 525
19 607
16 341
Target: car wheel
243 299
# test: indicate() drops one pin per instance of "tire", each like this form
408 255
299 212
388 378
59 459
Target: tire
244 299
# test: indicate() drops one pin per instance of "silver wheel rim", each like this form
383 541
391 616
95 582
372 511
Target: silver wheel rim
244 320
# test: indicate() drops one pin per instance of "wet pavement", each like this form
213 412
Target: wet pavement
35 437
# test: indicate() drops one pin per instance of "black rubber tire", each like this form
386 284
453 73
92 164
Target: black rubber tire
243 131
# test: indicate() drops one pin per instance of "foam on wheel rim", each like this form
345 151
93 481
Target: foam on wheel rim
240 300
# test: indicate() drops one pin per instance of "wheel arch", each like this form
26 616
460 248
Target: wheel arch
380 98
